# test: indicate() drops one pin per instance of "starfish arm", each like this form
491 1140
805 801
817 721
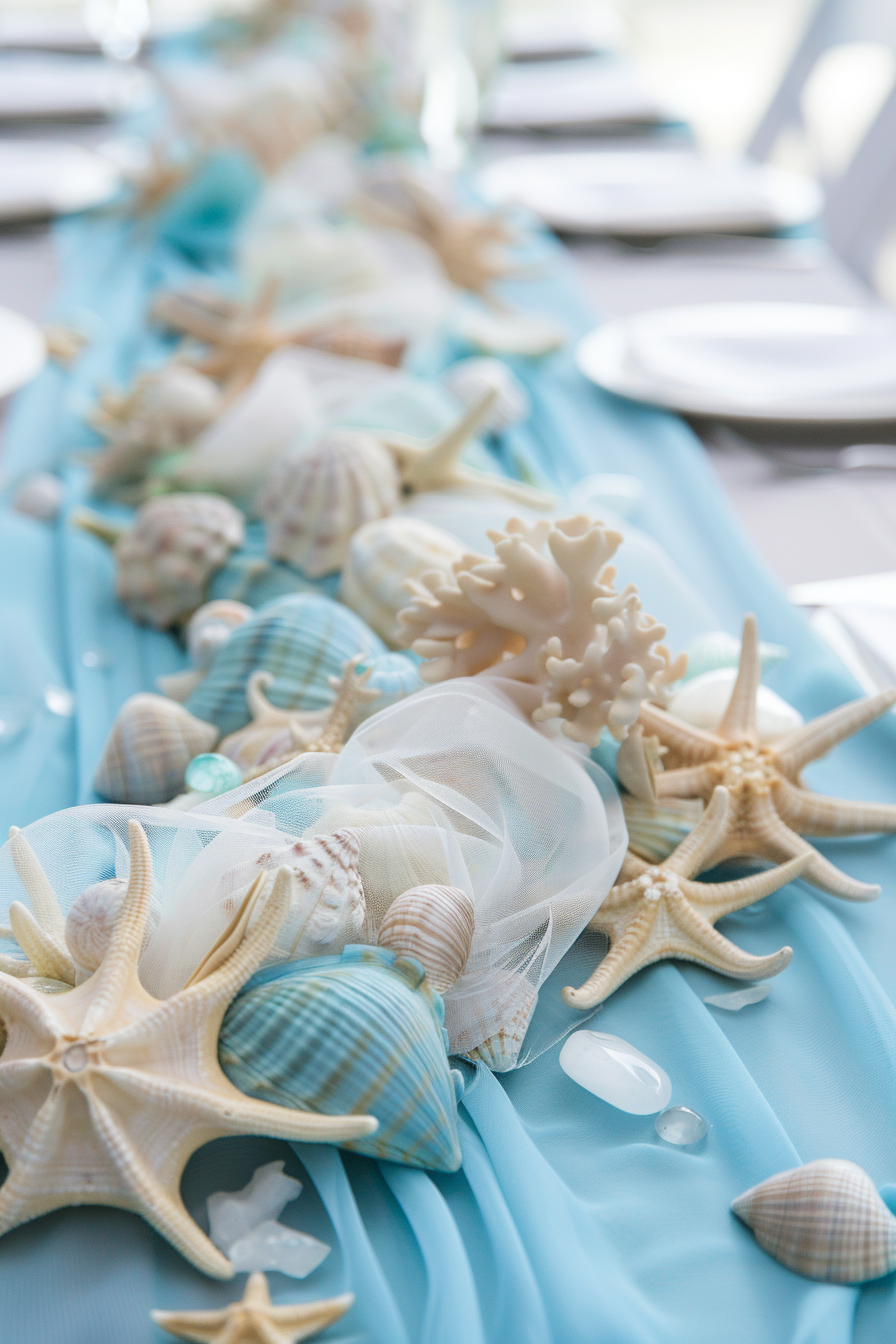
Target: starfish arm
23 1002
617 906
715 899
695 781
694 854
200 1327
632 866
16 966
119 964
622 961
36 883
40 947
17 1204
822 734
739 719
774 840
162 1210
815 814
696 940
517 491
691 744
307 1318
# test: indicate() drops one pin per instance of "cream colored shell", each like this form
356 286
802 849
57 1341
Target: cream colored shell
150 745
435 925
382 557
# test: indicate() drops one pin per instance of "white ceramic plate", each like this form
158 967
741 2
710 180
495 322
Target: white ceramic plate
23 350
47 88
552 36
39 178
544 95
651 192
806 363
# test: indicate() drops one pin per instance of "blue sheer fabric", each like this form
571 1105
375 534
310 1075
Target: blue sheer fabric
570 1222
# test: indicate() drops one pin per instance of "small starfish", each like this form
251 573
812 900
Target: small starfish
434 464
254 1320
106 1092
41 934
770 809
658 912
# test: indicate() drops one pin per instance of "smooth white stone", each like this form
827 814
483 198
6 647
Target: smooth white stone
39 496
273 1246
59 700
680 1125
616 1072
739 998
233 1214
702 701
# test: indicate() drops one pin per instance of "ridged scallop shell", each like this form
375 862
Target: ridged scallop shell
327 909
345 1035
149 746
716 648
395 677
314 501
92 917
501 1051
167 558
382 557
824 1220
469 378
302 640
435 925
655 829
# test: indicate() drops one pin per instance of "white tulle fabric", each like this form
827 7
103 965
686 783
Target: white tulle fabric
449 786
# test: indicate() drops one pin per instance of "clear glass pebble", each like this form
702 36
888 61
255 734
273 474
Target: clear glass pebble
212 773
739 998
15 716
616 1072
679 1124
233 1214
273 1246
59 700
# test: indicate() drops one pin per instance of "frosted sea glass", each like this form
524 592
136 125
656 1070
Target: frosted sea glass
616 1072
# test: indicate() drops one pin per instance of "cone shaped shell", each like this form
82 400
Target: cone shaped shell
313 502
824 1220
435 925
360 1033
149 746
382 557
302 640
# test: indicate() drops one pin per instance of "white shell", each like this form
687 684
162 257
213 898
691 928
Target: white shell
435 925
469 378
702 701
211 625
166 409
149 746
92 917
39 496
501 1051
313 501
824 1220
167 558
327 909
382 557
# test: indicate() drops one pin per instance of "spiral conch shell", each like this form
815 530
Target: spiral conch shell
435 925
314 501
824 1220
327 908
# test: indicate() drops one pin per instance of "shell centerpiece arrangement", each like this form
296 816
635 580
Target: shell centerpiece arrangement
132 1084
150 745
770 810
555 622
361 1031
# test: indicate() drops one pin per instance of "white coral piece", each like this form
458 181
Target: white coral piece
554 621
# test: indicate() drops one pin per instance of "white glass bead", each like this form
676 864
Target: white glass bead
680 1125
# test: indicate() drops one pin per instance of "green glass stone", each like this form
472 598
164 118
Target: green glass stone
212 773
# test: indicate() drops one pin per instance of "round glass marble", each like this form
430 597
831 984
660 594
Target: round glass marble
212 773
679 1124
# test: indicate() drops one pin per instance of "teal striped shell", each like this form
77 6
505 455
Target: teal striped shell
303 640
395 676
357 1034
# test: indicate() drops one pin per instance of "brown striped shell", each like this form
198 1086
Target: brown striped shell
150 745
435 925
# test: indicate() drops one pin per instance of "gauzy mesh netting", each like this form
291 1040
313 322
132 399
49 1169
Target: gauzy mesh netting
450 786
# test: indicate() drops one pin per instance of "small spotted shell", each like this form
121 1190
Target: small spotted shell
150 745
824 1220
435 925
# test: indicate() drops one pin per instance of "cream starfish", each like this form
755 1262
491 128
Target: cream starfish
41 934
254 1320
106 1092
770 810
658 912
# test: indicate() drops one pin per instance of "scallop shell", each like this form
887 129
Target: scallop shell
435 925
469 378
92 917
716 648
314 501
702 701
167 558
394 676
382 557
360 1033
149 746
824 1220
302 640
327 909
655 829
501 1051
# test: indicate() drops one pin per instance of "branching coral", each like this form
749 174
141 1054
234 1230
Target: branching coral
554 621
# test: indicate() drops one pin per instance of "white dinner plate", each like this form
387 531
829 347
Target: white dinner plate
47 88
553 36
651 192
545 95
23 350
39 179
800 362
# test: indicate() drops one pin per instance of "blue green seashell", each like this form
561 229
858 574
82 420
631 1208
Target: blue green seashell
716 648
357 1034
302 640
395 676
